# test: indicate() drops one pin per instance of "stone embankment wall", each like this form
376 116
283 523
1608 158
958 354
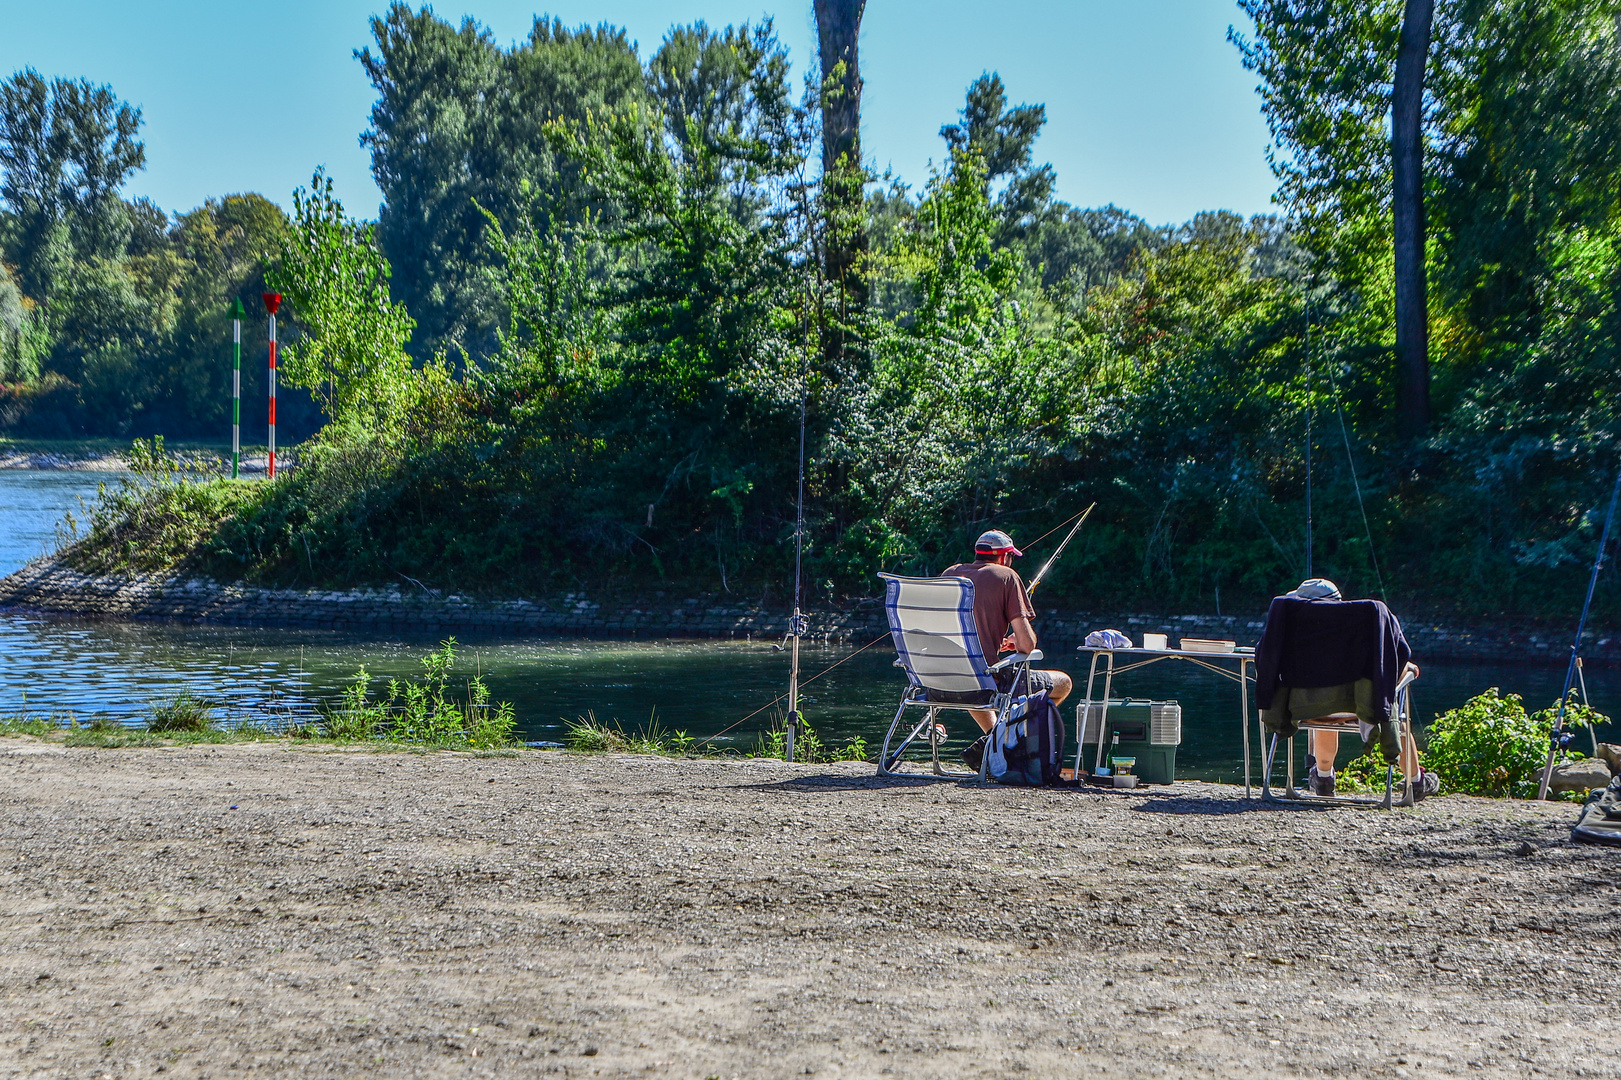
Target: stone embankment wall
45 587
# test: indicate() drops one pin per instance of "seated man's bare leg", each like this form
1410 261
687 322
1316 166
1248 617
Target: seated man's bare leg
1325 747
1062 685
1409 758
985 718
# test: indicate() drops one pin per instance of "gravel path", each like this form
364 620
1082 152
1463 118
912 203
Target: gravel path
216 911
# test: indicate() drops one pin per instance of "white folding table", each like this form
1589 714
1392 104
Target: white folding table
1217 662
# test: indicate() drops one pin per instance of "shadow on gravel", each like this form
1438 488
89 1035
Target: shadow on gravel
1195 804
872 782
834 782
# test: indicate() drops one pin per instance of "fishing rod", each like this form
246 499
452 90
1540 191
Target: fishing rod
797 623
1042 573
885 636
1559 740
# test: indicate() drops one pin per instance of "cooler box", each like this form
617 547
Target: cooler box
1150 731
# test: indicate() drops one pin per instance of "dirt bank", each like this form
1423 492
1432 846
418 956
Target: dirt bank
213 910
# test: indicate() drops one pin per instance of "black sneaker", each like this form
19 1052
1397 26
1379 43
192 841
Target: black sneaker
1320 784
975 752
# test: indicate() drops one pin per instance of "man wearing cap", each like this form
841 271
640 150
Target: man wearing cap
1002 614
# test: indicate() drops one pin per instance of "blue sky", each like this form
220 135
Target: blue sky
1147 105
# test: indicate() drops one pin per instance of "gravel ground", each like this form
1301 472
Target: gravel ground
212 911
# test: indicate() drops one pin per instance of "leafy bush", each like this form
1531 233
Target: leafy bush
1363 773
1488 746
354 716
185 712
1492 746
424 711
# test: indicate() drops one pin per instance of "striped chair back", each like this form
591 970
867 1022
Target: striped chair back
932 623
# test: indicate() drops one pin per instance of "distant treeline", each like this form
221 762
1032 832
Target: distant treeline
573 349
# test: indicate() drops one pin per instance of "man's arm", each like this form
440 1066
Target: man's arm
1022 635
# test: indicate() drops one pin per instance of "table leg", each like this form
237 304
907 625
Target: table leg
1086 714
1103 721
1244 717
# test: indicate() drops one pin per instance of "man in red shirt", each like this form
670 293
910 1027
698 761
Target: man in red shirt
1002 614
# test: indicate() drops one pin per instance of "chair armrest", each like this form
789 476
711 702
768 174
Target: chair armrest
1409 676
1018 658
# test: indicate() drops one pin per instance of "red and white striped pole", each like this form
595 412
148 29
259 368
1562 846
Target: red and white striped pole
272 302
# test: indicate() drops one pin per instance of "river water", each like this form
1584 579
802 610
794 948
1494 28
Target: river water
89 667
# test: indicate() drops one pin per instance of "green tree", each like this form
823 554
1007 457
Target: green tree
1004 139
458 121
66 149
351 349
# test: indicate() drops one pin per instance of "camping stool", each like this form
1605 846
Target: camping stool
937 644
1401 715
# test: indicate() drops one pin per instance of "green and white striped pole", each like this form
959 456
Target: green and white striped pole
236 386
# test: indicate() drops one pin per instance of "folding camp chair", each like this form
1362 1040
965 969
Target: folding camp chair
1401 716
936 643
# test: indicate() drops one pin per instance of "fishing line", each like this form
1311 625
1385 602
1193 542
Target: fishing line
1557 743
885 635
802 683
1060 525
1373 556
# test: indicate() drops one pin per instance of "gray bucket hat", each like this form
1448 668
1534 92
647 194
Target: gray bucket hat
1316 589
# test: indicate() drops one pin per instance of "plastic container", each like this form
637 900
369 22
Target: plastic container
1125 781
1156 641
1207 645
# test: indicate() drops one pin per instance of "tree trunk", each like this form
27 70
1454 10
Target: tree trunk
1407 154
838 25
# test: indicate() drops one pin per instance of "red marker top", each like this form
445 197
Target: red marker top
272 301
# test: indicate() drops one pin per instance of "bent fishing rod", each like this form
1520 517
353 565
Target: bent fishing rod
886 634
1558 740
1042 573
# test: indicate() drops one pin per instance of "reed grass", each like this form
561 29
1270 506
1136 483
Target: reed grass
185 712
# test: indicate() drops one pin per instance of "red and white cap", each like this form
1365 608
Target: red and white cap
996 542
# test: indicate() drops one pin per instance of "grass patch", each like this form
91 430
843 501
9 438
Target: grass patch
111 740
424 713
33 724
588 735
183 713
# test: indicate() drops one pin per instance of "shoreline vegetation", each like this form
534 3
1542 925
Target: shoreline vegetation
1489 746
426 712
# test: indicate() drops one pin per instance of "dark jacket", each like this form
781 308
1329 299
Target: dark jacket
1318 643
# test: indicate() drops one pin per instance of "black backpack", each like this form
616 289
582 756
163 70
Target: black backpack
1027 748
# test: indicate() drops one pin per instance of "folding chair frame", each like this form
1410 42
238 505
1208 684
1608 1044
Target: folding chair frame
1401 716
961 667
917 697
